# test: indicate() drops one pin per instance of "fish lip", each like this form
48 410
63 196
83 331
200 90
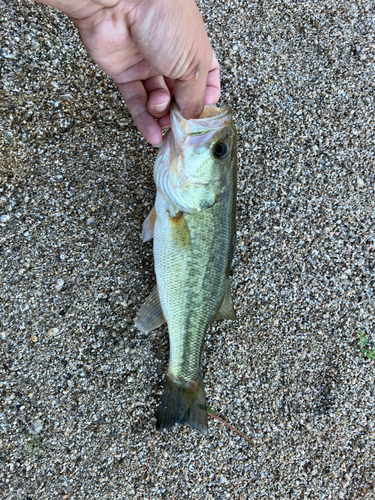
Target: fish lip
222 112
226 110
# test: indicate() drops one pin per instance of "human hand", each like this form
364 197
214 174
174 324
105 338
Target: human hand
152 49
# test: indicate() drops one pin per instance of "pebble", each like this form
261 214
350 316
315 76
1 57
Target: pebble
36 428
52 332
59 285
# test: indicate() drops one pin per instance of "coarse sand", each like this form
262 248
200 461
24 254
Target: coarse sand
79 384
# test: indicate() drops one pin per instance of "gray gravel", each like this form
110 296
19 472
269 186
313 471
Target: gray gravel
79 384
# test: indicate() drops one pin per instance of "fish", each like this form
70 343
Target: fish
193 225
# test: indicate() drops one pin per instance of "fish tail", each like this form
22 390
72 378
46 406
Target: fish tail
182 404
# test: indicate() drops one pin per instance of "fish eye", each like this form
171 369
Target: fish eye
220 150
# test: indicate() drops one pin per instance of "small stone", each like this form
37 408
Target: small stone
3 335
90 220
34 338
4 218
36 428
60 284
346 483
52 332
360 182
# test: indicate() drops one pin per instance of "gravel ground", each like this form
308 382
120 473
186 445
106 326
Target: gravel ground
79 384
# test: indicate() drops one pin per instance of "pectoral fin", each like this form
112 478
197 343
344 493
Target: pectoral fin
179 230
226 309
148 226
150 315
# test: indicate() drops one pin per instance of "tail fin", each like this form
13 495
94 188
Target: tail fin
184 405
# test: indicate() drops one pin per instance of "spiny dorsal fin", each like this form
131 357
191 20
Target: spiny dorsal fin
226 309
150 315
148 226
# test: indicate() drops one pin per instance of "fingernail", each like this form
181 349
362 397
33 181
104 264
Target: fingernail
161 107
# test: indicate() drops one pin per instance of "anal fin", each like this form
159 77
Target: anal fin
226 309
150 315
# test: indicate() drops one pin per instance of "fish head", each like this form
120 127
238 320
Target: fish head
200 154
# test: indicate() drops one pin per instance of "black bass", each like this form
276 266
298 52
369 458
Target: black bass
194 229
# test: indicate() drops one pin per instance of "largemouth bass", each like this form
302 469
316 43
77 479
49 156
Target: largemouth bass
193 226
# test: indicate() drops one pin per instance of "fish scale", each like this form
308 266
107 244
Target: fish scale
190 299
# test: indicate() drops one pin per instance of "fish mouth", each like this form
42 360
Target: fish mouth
211 111
212 119
196 131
